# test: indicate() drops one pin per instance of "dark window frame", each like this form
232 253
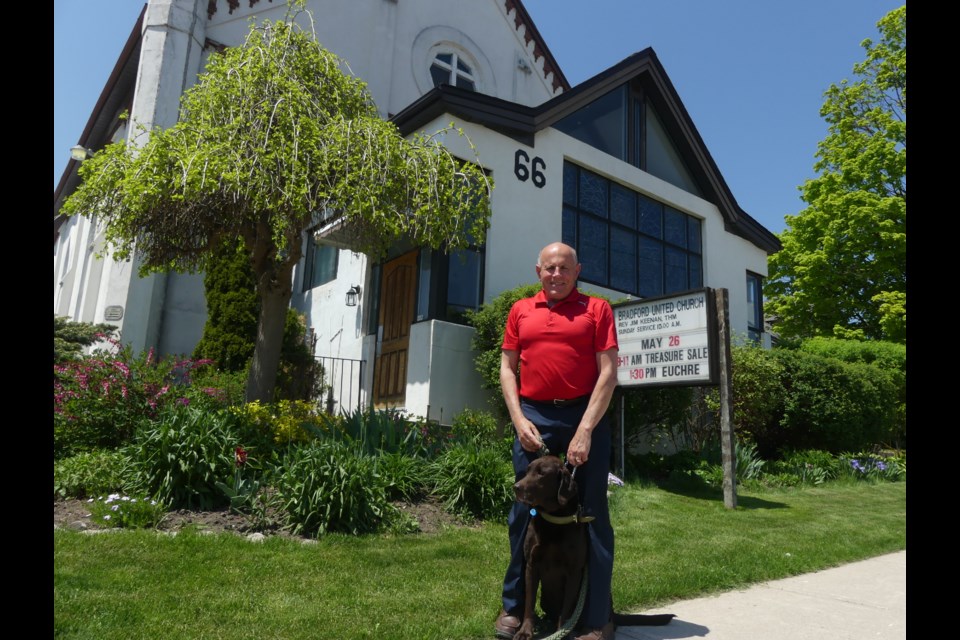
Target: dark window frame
755 324
576 217
308 268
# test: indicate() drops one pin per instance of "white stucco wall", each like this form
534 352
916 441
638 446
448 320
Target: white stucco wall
389 44
339 329
442 379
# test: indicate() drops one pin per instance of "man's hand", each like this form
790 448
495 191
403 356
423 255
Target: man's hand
528 435
579 450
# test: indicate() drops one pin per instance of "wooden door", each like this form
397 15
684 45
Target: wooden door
398 291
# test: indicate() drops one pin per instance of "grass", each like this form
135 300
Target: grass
672 543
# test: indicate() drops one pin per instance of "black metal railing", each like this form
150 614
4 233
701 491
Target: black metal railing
341 385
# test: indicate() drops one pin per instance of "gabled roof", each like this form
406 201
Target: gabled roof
522 123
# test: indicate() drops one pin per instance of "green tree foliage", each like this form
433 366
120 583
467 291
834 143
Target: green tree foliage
69 338
230 333
489 322
889 357
842 269
273 134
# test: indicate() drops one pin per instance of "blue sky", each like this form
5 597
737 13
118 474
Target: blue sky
751 73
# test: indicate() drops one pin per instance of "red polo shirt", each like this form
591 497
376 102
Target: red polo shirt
558 345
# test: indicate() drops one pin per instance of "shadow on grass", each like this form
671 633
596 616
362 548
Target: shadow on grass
693 486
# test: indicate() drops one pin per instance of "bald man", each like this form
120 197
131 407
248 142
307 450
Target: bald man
565 344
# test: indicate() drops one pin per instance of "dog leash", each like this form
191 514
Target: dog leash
567 626
543 451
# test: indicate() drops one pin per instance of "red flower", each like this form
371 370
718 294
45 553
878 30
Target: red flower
241 456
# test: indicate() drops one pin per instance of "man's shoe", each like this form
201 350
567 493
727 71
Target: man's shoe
506 625
606 633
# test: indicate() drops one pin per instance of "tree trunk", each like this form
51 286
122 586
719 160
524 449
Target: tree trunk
274 303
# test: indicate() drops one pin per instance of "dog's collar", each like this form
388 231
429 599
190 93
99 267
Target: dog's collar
574 518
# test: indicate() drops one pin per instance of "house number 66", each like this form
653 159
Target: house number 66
533 172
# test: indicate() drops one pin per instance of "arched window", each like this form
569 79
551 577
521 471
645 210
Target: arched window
449 68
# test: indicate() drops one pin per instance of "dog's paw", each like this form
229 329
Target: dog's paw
525 632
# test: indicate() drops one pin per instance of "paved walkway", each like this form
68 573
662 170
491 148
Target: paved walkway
864 600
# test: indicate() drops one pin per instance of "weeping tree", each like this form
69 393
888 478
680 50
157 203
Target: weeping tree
273 136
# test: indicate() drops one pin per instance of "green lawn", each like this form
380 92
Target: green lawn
670 544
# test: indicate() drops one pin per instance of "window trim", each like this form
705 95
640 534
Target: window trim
573 213
755 323
309 259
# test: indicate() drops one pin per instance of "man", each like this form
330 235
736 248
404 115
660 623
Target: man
565 344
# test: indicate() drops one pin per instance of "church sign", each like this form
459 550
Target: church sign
668 340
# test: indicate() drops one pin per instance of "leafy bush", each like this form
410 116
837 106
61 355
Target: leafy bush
89 474
230 333
386 431
99 400
830 405
481 429
749 463
118 510
656 466
870 466
887 356
181 457
215 389
489 322
476 481
330 486
810 466
406 477
70 338
285 422
653 415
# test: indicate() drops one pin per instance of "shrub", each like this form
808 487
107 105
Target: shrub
406 477
230 332
652 415
474 481
830 405
656 466
89 474
181 457
100 399
330 486
285 422
118 510
870 466
481 429
386 431
70 338
810 466
749 463
489 322
890 357
215 389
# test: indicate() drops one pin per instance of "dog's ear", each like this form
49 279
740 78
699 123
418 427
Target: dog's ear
568 487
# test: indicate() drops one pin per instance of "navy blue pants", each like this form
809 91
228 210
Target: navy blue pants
557 426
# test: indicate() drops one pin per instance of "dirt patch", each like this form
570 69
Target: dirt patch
75 514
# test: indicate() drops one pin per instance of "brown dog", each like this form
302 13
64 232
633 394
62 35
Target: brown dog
555 548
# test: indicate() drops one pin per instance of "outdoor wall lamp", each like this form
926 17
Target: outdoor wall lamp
353 294
80 153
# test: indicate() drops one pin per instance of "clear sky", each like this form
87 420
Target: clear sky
751 73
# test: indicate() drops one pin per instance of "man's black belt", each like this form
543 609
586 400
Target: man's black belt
559 402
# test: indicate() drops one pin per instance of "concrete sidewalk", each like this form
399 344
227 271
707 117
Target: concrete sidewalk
858 601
